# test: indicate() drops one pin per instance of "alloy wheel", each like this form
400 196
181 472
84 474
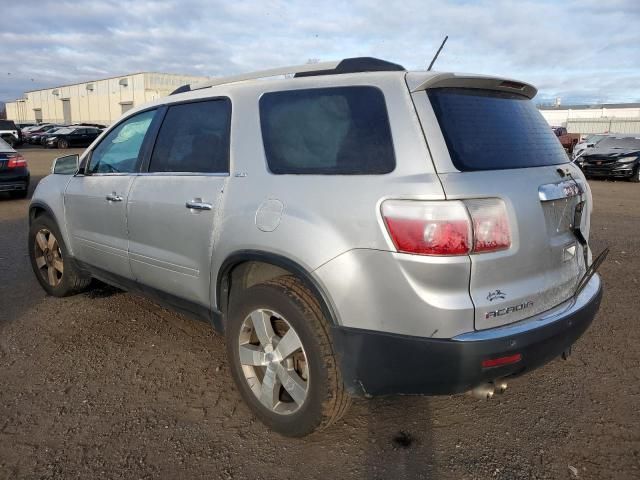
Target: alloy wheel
48 257
273 361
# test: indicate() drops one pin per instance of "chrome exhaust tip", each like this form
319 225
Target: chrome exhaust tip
500 387
484 391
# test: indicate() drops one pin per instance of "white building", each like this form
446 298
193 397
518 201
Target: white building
604 118
99 101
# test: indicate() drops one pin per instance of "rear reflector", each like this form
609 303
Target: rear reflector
16 161
501 361
447 227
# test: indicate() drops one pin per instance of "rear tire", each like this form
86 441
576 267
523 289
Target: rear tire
318 397
54 268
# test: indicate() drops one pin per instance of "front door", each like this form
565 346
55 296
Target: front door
172 206
96 202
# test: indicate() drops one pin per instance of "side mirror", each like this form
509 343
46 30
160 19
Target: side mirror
67 165
591 145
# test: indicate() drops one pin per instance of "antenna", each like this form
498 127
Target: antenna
438 53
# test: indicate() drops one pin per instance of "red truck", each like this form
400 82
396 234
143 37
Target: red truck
568 140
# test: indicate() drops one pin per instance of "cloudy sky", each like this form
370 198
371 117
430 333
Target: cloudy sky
584 51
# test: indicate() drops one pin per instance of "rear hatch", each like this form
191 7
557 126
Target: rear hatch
495 144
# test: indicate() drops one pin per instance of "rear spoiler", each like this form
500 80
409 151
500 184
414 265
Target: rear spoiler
457 80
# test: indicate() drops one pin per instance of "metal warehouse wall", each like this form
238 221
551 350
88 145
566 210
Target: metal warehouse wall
100 101
604 125
622 118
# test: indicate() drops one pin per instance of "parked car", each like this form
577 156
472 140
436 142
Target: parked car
589 142
14 173
26 130
567 140
44 136
31 135
357 229
10 133
22 126
72 137
36 138
617 156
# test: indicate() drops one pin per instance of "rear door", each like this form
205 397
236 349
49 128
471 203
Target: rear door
95 203
495 144
173 206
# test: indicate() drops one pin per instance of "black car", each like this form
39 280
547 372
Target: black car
33 136
73 137
617 156
14 174
42 138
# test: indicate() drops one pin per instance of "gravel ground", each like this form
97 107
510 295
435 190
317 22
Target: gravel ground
108 385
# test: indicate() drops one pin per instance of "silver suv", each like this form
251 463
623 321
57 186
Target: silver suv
351 227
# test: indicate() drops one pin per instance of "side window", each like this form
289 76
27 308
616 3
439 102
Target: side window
194 138
118 151
341 130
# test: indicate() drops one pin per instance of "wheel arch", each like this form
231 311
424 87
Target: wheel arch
37 208
276 265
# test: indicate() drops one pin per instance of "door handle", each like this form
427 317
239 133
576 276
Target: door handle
114 197
198 204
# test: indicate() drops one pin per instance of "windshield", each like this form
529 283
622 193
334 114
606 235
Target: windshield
593 138
490 130
627 143
63 131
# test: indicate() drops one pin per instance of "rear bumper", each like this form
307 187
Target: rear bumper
377 363
14 180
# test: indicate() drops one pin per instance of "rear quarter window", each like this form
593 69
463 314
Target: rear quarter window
339 130
490 130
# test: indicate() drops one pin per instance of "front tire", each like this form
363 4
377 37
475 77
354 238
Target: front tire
635 178
63 144
55 270
281 357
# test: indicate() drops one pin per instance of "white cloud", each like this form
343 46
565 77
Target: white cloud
582 50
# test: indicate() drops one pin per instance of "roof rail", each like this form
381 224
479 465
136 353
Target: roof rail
348 65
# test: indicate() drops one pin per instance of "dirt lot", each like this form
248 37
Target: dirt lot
109 385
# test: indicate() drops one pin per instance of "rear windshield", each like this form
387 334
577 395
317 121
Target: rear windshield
489 130
339 131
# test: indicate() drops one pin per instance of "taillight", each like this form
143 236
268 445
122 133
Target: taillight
447 227
428 228
490 225
16 161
